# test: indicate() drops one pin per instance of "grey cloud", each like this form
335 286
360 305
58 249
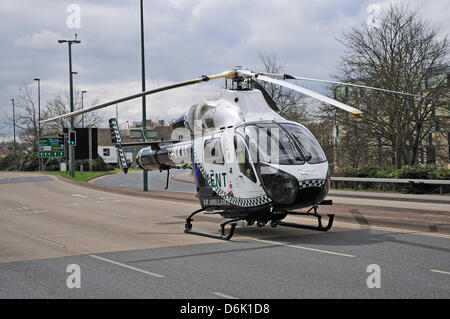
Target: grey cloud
184 39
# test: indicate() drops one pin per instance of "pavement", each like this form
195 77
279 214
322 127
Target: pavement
132 245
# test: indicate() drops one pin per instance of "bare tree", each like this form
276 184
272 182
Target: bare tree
403 53
60 105
26 118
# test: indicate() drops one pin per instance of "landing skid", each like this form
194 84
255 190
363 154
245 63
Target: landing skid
233 222
319 226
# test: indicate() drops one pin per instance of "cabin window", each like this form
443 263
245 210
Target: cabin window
213 152
106 152
243 159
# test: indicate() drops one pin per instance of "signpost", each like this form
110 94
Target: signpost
49 147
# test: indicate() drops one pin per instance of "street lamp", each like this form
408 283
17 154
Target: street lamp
39 105
72 123
82 105
144 111
14 125
39 116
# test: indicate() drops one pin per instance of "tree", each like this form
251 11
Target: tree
26 118
290 103
402 53
60 104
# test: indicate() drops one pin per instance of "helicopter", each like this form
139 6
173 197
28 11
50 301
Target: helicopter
250 164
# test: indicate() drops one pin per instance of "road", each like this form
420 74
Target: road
134 247
156 181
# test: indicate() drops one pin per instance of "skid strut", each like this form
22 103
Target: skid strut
233 222
319 227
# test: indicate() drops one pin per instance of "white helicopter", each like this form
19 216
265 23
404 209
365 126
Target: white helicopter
249 163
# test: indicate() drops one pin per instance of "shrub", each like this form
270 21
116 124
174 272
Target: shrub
97 165
407 172
29 162
10 162
419 172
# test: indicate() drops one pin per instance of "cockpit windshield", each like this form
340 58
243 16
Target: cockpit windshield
285 144
307 142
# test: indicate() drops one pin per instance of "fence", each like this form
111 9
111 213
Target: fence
417 184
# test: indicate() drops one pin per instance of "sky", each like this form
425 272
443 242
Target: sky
183 40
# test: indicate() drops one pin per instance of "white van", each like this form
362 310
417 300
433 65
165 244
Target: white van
109 155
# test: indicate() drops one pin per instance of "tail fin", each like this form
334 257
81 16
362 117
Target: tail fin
117 140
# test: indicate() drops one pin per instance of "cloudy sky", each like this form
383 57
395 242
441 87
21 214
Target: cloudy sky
183 39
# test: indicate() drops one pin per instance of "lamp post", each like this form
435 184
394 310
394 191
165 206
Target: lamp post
72 123
39 105
14 125
82 105
144 112
38 80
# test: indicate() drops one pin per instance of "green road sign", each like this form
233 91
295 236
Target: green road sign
50 147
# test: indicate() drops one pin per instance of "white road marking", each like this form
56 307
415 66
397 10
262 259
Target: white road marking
127 266
224 295
440 271
302 247
79 195
390 229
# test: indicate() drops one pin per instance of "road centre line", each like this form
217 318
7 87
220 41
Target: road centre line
224 295
127 266
390 229
440 271
302 247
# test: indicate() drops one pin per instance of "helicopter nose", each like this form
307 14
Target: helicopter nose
312 191
281 187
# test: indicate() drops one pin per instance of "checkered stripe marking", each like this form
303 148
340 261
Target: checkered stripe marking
243 202
311 183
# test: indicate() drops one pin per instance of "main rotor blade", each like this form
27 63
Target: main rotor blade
315 95
203 78
288 76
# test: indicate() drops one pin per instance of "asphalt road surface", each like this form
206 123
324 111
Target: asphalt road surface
156 181
124 246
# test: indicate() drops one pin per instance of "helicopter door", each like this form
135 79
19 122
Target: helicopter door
214 163
243 177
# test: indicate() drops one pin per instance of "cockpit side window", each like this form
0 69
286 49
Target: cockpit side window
213 151
243 159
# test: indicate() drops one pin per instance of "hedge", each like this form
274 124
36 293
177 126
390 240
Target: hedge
406 172
30 162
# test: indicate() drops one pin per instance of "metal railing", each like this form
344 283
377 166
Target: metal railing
412 182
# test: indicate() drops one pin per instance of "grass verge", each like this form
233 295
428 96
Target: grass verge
84 176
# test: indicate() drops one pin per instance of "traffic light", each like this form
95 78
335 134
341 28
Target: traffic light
62 139
72 138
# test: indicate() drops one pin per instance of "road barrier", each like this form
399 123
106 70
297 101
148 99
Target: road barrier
415 184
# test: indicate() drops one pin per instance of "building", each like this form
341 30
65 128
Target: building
155 131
